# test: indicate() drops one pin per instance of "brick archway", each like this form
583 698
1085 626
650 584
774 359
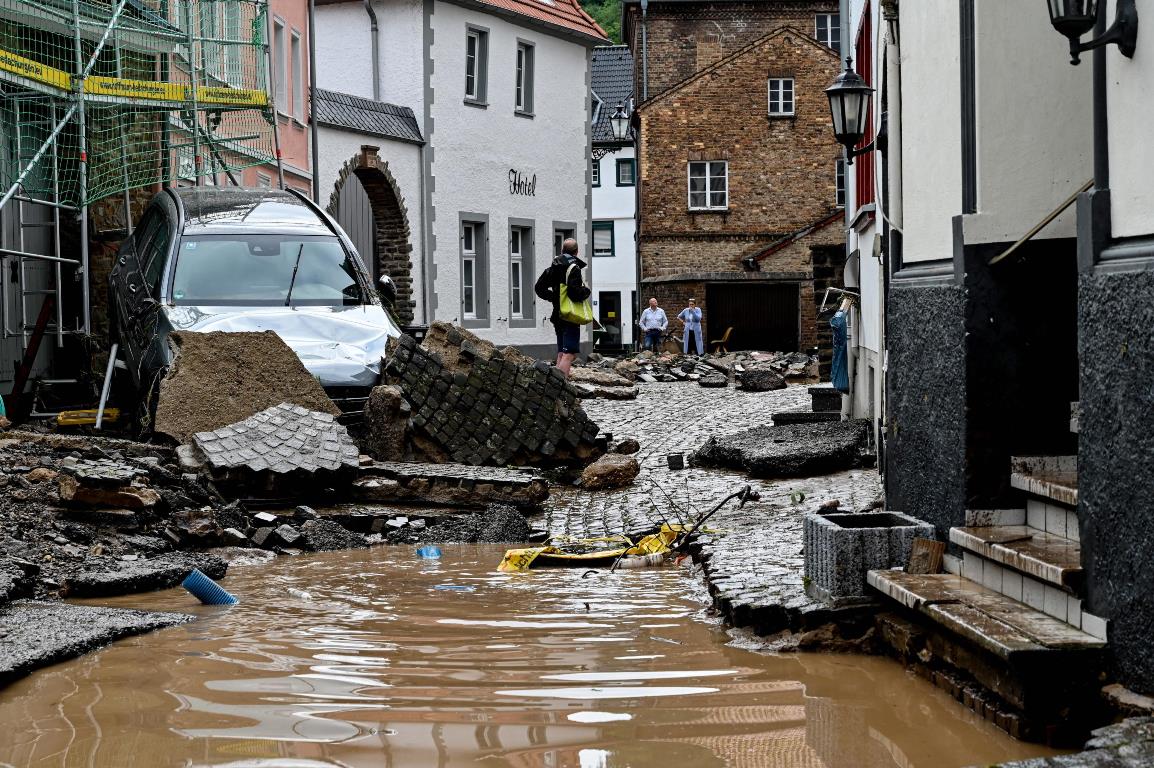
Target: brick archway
392 243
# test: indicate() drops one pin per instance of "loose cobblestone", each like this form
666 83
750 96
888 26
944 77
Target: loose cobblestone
754 565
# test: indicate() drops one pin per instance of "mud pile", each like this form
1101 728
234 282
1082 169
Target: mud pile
220 378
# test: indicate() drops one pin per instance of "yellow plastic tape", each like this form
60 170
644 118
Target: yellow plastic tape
519 560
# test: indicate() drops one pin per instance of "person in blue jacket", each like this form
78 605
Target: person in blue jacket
691 316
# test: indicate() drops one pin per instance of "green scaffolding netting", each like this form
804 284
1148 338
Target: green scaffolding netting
146 91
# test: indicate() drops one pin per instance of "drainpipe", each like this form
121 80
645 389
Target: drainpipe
644 50
376 49
426 287
316 169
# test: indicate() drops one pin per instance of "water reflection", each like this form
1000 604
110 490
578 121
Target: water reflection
381 668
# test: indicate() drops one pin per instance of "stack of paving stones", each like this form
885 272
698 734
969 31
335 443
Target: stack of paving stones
825 406
450 484
283 450
490 409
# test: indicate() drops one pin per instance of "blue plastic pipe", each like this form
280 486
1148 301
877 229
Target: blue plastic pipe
206 590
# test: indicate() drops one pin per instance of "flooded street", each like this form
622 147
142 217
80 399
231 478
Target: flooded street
378 658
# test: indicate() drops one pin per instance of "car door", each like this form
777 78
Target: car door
127 282
153 255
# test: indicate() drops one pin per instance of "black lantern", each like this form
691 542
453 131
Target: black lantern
1074 18
619 123
849 99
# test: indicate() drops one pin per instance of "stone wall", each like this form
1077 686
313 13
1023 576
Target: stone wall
1116 462
926 392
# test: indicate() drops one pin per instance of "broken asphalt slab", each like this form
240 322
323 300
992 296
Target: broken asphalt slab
450 484
220 378
792 450
35 634
126 577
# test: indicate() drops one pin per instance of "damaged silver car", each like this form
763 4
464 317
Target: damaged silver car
233 259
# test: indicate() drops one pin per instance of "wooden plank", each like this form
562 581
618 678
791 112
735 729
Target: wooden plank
926 556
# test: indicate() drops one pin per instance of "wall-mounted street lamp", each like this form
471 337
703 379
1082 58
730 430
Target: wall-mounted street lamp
619 123
1074 18
849 98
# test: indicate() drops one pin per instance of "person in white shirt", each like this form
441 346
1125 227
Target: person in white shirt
653 323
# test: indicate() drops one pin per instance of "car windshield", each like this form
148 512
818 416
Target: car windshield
259 270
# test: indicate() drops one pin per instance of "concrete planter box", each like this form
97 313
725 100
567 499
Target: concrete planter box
841 547
824 399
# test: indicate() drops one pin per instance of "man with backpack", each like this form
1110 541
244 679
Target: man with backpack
564 271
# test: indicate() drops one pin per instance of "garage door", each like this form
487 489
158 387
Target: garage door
763 315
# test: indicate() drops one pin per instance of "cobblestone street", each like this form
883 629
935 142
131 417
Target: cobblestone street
754 568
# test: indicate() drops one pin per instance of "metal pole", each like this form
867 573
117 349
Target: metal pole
82 175
192 64
56 238
268 47
123 145
107 383
316 164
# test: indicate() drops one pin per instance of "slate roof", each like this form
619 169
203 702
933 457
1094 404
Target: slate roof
341 110
612 83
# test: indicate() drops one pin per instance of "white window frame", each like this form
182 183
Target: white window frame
520 87
517 238
709 192
832 30
596 172
296 64
776 90
469 270
472 63
839 183
280 92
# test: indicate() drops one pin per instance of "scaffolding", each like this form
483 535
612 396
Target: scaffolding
102 97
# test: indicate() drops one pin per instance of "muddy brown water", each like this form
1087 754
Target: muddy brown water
395 661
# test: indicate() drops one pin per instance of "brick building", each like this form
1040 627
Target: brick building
740 176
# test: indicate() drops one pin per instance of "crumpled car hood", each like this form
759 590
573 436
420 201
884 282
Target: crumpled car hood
341 346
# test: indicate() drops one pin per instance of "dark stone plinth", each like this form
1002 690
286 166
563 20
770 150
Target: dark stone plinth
825 399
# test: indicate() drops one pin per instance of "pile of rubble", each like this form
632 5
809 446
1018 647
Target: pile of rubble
754 371
474 404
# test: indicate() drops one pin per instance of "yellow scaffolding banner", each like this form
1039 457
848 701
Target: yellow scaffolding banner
135 89
34 70
245 97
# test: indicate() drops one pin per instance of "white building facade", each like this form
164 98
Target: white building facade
614 241
500 96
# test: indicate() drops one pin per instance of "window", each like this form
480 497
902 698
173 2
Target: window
476 58
709 185
210 51
625 172
263 180
298 79
233 53
603 238
280 94
827 30
153 257
596 110
474 270
469 270
596 171
519 245
524 82
839 183
781 96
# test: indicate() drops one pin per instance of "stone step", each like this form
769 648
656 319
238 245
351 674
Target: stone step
1050 477
1062 603
1045 556
1009 629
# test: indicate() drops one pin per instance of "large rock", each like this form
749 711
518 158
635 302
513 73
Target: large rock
498 524
598 377
613 470
386 423
219 378
794 450
715 380
627 369
123 497
762 380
